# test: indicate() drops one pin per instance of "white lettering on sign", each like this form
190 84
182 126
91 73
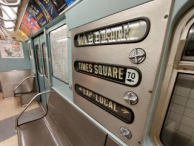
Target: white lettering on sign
129 76
127 32
103 70
132 77
114 108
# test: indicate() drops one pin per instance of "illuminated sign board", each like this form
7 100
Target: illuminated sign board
129 76
123 113
126 32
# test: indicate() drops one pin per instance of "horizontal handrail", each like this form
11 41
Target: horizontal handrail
16 4
23 81
16 122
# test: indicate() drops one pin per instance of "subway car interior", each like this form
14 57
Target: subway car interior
96 72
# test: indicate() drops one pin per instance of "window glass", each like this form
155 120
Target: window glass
59 53
188 54
178 128
39 58
29 49
44 58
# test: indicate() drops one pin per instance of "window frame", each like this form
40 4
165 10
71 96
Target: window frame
174 66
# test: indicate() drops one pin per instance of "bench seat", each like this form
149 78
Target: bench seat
40 133
63 125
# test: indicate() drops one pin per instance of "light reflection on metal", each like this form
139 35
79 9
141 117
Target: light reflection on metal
5 3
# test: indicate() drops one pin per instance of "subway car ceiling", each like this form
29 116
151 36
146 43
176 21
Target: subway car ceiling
125 68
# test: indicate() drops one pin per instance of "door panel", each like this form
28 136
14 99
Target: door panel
40 67
45 67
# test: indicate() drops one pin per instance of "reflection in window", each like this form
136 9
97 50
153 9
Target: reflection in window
178 128
39 58
29 49
188 53
44 59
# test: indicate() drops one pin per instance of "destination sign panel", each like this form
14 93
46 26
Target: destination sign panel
129 76
123 113
125 32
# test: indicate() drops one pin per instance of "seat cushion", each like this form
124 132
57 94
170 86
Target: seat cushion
39 133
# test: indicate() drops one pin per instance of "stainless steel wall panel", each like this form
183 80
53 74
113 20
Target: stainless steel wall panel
118 55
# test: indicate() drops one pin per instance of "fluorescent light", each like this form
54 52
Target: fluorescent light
10 29
10 14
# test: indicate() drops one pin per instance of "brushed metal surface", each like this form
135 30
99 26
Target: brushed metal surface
10 79
118 55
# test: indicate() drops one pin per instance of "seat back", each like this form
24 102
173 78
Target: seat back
76 127
10 79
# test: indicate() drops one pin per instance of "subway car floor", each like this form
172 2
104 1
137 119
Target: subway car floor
9 109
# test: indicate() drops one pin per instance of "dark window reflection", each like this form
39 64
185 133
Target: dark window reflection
44 58
29 49
188 54
39 58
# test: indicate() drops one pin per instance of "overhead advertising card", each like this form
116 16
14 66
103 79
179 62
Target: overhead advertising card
30 22
69 2
11 49
35 10
60 5
23 35
25 29
48 9
43 11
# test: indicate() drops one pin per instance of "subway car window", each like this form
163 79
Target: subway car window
59 53
29 49
188 54
178 127
39 58
44 58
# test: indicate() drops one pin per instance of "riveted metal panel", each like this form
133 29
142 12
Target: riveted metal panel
117 54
